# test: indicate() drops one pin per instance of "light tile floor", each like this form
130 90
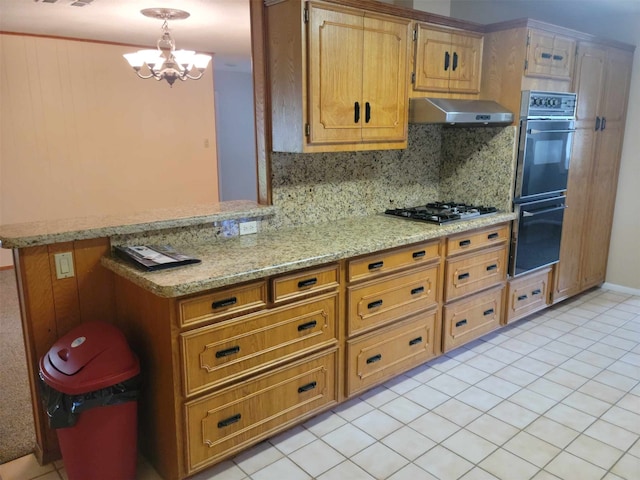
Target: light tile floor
554 396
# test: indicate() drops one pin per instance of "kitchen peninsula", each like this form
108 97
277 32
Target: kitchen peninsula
305 277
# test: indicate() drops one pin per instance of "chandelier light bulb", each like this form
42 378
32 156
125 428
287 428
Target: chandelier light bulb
167 63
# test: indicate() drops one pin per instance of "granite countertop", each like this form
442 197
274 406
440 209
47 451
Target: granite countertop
239 259
21 235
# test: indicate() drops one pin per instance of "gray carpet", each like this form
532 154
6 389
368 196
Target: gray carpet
17 434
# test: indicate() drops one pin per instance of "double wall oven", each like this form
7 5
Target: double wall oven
544 151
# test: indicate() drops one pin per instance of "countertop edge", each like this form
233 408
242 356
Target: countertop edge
286 263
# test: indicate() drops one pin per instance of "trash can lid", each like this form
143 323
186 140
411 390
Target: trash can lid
92 356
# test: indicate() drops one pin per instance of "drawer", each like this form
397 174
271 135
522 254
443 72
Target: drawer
215 354
528 294
301 284
472 273
239 416
471 241
222 304
392 260
379 356
471 318
386 300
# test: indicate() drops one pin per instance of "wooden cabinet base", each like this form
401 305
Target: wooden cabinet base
528 294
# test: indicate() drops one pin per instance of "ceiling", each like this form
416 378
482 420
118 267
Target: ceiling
221 27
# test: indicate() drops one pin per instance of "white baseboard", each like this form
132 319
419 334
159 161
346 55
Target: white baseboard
621 288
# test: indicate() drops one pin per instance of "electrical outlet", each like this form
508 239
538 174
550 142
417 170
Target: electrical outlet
247 228
64 265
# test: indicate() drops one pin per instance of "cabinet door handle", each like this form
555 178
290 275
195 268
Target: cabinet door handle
537 291
546 55
493 235
377 303
558 57
603 125
307 387
367 112
227 352
307 326
455 61
462 276
229 421
415 341
374 265
461 323
446 61
492 267
464 243
417 290
227 302
522 297
356 112
597 123
374 359
419 254
307 283
488 312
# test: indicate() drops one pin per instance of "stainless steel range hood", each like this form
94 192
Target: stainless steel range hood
458 112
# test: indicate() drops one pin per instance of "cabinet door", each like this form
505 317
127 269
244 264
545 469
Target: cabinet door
562 57
588 84
539 53
384 72
335 75
465 63
433 60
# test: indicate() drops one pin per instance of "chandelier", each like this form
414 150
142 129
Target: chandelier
167 63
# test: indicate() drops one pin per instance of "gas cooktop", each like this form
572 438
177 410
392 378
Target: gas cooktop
441 212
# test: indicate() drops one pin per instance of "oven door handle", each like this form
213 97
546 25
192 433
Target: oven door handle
533 131
526 213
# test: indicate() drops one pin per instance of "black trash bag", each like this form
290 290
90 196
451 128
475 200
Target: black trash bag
63 409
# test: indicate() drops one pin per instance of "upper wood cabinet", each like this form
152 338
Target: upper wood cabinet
447 60
339 81
549 55
602 79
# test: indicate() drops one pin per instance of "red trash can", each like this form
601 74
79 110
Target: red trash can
90 389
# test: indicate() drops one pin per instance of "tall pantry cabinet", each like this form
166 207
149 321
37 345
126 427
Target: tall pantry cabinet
601 80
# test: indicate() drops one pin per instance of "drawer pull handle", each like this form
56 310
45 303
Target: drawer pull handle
417 290
307 283
461 323
374 359
419 254
537 291
227 352
558 57
224 303
307 326
488 312
522 297
377 303
307 387
493 235
462 276
374 265
464 243
415 341
546 55
229 421
492 267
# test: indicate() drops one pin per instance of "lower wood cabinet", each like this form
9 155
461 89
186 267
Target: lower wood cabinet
468 319
528 294
389 351
471 273
231 419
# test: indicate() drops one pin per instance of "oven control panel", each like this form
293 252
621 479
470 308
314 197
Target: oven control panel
539 104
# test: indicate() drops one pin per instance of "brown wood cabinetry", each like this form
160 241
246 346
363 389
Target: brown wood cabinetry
217 382
339 77
602 79
549 55
528 294
447 60
474 279
392 299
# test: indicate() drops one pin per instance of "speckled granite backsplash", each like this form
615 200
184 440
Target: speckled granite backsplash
437 165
